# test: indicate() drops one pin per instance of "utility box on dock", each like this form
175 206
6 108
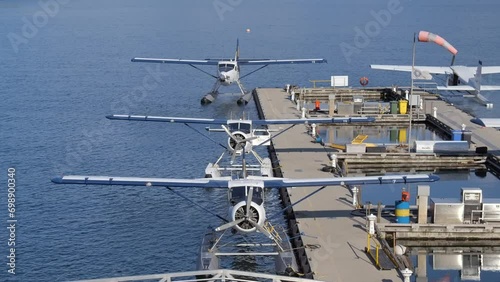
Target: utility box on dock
472 199
491 210
449 147
447 211
345 108
355 148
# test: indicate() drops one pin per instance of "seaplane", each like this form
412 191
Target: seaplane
228 70
245 193
459 78
243 135
246 212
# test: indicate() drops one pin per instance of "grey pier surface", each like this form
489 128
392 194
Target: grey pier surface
325 218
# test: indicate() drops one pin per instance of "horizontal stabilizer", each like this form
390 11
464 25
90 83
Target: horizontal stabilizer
490 69
469 88
490 87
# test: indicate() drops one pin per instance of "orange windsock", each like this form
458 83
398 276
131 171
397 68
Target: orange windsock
425 36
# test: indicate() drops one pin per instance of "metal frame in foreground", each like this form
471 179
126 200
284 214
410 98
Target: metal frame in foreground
221 275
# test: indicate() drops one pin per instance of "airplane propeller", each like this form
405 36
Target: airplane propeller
238 143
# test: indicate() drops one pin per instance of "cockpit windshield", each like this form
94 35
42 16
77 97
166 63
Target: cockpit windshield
238 194
240 126
224 67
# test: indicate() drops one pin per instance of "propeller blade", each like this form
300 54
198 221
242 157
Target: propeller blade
261 229
233 156
229 225
229 133
248 139
249 201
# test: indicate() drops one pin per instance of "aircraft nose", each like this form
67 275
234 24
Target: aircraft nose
223 76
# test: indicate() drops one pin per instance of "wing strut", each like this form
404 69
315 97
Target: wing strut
198 205
290 206
281 132
254 71
206 136
204 71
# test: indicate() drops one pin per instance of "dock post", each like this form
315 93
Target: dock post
355 196
434 113
313 130
331 105
371 224
379 212
298 105
406 274
422 266
303 112
293 96
423 192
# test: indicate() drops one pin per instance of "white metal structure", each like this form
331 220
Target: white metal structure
220 275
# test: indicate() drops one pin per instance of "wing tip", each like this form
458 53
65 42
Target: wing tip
433 177
57 180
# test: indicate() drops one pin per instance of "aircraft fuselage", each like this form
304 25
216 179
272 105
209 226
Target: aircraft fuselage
228 72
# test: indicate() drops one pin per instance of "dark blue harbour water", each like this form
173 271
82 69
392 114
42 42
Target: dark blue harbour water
60 77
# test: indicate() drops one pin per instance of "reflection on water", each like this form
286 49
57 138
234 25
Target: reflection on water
456 264
377 134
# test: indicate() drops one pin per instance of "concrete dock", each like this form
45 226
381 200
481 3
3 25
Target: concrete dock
335 240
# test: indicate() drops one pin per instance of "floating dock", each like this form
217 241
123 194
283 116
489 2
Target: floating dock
332 241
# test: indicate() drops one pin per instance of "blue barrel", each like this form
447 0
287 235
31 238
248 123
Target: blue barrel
402 212
456 135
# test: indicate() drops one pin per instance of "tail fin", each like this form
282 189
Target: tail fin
237 55
477 79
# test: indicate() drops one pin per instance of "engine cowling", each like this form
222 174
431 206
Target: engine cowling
244 145
257 215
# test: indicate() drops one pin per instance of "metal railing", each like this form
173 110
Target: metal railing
222 275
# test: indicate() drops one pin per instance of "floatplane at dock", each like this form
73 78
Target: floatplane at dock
228 70
245 197
243 135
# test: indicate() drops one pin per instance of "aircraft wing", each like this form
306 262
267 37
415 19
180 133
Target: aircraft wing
386 179
280 62
224 182
175 61
429 69
138 181
256 122
168 119
313 120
